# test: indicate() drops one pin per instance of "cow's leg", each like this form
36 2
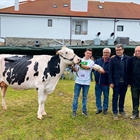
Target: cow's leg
40 102
43 108
3 94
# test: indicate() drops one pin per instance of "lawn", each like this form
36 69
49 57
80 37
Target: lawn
19 121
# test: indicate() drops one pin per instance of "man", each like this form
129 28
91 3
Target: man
83 79
119 80
135 82
101 79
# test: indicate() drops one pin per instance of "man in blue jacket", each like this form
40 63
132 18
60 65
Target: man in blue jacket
119 80
135 82
102 85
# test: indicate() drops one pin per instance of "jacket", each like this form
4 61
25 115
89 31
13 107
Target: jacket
102 79
135 71
115 70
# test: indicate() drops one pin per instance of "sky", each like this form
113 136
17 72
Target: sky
7 3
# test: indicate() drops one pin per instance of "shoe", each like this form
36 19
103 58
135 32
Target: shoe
98 111
85 113
74 114
123 114
133 117
115 116
105 111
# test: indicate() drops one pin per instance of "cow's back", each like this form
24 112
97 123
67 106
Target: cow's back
28 71
20 71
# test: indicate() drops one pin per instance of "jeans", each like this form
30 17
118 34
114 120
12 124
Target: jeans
119 93
77 89
135 99
98 92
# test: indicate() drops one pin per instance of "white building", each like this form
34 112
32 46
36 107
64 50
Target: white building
71 19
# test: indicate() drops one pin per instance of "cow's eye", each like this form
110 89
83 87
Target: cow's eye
66 52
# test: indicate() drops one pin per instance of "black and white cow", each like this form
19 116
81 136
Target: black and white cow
34 71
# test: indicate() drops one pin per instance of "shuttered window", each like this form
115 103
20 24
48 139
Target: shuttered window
49 22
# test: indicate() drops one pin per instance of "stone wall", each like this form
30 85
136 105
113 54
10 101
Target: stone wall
43 42
1 44
12 41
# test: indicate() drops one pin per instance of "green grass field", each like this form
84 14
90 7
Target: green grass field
19 121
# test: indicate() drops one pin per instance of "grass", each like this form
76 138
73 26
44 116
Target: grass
19 121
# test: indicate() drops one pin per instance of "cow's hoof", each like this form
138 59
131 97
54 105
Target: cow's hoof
40 117
44 113
4 108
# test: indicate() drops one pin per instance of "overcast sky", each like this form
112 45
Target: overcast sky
7 3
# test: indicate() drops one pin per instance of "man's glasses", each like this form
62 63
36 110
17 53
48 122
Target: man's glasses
117 50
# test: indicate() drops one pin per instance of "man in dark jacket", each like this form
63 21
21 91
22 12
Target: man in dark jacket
101 79
119 80
135 82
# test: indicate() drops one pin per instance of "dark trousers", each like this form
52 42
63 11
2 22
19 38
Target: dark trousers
135 91
118 98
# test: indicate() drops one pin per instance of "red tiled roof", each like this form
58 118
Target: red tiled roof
44 8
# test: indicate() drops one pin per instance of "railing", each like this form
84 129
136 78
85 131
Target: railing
79 32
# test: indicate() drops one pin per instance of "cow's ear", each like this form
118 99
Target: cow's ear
56 50
59 52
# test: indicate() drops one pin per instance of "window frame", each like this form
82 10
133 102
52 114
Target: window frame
120 28
50 22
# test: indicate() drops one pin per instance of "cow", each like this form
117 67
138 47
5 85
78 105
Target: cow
41 72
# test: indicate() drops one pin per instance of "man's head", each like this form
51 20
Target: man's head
106 53
119 50
137 51
88 53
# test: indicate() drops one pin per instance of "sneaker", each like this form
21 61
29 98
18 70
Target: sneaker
98 111
74 114
105 111
133 117
115 116
85 113
123 114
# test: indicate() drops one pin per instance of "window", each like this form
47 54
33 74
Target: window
65 5
100 6
49 22
120 28
54 6
78 29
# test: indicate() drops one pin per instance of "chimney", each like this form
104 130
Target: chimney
79 5
102 1
16 5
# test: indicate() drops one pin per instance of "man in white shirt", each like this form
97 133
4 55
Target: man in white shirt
82 81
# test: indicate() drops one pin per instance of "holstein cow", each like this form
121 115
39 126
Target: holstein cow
34 71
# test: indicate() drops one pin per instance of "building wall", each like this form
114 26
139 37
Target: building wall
131 29
34 27
63 28
106 27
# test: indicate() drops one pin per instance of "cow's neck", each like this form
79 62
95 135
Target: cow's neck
63 65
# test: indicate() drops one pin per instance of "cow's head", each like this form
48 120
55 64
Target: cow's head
69 55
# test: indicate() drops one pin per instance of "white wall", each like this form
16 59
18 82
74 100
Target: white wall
106 27
131 29
34 27
37 27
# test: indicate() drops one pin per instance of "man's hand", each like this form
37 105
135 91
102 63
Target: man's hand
101 71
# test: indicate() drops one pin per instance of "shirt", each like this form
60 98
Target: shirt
83 76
